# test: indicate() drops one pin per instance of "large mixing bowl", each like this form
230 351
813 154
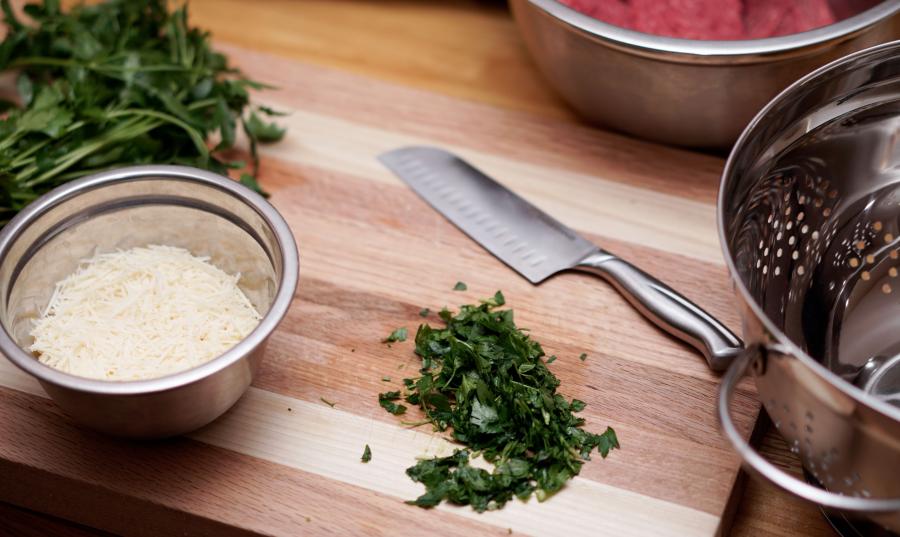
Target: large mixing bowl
208 215
809 219
681 91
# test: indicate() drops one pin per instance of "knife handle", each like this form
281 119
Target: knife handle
667 309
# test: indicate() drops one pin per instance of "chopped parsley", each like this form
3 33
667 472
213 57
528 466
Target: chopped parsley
483 379
551 359
385 379
583 356
397 335
386 400
367 454
460 286
424 312
327 402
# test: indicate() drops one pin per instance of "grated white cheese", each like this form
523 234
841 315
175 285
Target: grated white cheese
142 313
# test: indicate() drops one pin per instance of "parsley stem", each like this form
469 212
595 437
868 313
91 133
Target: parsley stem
114 135
38 61
25 156
192 132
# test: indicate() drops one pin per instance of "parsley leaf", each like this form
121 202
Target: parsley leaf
482 379
460 286
367 454
497 300
397 335
262 130
386 400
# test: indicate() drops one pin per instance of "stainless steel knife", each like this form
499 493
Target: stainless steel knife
537 246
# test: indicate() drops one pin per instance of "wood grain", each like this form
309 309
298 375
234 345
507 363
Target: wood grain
767 511
677 456
18 522
465 83
372 254
466 49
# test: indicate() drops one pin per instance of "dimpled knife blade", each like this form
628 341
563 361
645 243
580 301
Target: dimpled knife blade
537 246
528 240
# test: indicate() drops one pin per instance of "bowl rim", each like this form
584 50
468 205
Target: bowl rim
745 49
286 285
782 340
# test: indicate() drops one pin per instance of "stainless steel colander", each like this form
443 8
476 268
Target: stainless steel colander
809 218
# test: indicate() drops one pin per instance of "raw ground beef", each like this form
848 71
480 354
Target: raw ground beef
612 11
767 18
720 19
689 18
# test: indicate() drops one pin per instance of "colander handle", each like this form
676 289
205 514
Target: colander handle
667 309
760 466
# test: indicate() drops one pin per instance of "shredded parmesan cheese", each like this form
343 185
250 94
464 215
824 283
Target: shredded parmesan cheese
142 313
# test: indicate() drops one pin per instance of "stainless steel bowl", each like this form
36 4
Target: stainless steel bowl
809 219
177 206
680 91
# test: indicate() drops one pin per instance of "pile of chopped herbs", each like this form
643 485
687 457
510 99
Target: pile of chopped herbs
117 83
483 378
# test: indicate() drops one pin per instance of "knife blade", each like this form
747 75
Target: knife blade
531 242
538 246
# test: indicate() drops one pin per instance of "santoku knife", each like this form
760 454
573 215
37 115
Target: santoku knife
537 246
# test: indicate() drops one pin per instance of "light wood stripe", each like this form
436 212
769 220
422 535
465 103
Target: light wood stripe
613 209
318 439
553 144
182 486
460 51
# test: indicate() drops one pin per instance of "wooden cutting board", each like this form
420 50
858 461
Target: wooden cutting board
372 254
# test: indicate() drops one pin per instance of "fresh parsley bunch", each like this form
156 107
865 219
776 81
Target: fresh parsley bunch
117 83
484 378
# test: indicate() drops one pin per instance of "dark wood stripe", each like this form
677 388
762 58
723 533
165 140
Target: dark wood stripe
19 522
183 487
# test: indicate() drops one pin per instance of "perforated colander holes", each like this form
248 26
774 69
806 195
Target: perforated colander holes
782 248
867 238
800 430
790 244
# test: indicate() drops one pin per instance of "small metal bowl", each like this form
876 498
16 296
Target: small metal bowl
681 91
203 212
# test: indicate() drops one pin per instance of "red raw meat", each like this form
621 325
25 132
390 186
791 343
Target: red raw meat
612 11
843 9
769 18
720 19
806 15
763 17
689 19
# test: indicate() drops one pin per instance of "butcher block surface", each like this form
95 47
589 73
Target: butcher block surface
372 254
